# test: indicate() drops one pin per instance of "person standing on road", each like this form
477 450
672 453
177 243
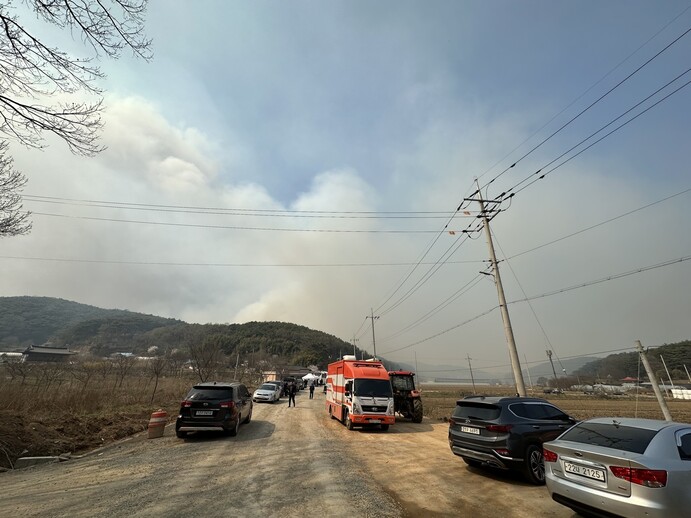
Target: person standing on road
292 389
312 390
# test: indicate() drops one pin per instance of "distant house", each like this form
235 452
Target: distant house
11 356
123 355
47 353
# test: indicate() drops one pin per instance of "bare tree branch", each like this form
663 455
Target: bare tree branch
13 220
31 72
30 68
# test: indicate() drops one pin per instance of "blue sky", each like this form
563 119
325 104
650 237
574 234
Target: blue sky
372 107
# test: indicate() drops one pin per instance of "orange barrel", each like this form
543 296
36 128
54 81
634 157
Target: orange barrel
157 423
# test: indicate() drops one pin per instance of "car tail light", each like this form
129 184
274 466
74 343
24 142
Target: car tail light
227 404
549 456
500 428
186 404
642 477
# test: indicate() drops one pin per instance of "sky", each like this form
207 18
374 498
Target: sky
304 162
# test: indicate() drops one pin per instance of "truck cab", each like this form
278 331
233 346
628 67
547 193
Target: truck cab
359 393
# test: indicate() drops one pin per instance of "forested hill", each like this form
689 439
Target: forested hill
618 366
35 320
88 329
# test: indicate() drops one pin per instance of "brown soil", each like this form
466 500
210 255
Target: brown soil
32 436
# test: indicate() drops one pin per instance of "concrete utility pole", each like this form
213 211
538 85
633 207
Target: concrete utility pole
471 373
354 340
549 355
667 371
653 381
508 330
687 372
374 343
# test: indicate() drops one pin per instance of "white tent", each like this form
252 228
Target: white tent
310 377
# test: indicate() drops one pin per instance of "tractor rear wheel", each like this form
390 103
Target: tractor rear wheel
417 411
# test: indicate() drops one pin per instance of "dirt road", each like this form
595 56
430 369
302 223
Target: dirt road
286 462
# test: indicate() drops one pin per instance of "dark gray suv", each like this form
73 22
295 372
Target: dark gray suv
214 405
506 432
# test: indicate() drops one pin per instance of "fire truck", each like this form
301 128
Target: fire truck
358 393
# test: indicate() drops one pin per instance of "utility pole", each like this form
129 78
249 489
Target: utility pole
687 372
471 373
374 343
667 371
653 382
527 369
508 330
549 355
354 352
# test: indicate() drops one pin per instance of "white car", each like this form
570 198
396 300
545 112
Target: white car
267 392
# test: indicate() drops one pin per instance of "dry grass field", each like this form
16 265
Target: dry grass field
439 401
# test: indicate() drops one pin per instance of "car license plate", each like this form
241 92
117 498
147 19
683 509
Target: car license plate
576 469
204 412
375 421
470 429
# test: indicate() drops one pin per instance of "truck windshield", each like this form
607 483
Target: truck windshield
372 388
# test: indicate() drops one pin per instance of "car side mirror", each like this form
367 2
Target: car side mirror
347 393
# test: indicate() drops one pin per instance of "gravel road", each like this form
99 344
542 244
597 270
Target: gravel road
285 462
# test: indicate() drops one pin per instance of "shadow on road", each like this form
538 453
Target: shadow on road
406 426
248 432
512 477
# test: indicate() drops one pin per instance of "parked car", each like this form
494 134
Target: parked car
214 405
297 381
622 467
267 392
506 432
280 385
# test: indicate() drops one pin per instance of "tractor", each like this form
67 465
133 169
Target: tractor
406 397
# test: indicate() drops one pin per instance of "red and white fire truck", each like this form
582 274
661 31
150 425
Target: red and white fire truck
358 393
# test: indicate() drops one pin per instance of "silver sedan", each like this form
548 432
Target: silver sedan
622 467
267 392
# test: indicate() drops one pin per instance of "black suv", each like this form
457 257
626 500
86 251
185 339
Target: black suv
214 405
506 432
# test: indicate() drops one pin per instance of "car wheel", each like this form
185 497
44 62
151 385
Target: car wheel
384 427
236 427
348 421
181 435
473 463
534 465
249 417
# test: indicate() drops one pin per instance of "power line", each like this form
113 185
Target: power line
531 362
544 141
590 106
582 95
685 191
605 279
543 175
236 227
275 213
454 297
231 265
549 294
